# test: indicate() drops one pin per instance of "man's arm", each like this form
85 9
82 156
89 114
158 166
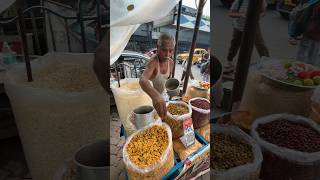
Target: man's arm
158 102
101 63
144 80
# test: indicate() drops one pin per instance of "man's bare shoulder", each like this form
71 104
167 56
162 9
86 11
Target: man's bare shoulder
153 62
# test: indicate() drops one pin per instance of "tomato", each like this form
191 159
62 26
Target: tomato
301 65
314 73
304 75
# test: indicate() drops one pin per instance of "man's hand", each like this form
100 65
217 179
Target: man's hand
160 105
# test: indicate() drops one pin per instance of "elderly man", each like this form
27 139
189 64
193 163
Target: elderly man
158 71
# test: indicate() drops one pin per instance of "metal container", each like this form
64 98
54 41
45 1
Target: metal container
143 116
91 161
172 87
227 93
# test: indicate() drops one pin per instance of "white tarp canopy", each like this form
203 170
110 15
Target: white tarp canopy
127 15
5 4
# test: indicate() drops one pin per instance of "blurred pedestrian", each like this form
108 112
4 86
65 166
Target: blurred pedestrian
184 70
205 71
310 43
238 11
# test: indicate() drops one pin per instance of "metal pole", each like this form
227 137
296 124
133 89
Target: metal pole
248 38
68 34
51 32
44 26
83 36
24 44
193 45
177 38
99 20
35 31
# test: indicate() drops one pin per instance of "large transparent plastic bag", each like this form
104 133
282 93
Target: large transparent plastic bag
176 121
280 162
128 97
53 123
157 170
248 171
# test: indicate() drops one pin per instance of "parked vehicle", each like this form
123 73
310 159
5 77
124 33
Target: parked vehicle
151 52
198 54
130 65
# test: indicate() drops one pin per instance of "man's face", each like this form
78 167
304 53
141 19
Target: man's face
165 51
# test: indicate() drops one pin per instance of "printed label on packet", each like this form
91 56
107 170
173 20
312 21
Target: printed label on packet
188 138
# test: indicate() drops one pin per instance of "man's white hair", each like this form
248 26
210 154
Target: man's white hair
165 37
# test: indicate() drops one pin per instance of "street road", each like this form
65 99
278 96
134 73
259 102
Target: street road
273 26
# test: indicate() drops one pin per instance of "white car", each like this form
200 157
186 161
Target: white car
130 64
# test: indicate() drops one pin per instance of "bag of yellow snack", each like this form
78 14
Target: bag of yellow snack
205 132
184 152
148 153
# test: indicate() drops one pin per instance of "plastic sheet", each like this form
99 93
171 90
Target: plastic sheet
127 15
119 38
122 15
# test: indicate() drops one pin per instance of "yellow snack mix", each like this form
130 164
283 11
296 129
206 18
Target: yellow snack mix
146 148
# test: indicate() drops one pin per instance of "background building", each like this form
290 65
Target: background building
146 36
